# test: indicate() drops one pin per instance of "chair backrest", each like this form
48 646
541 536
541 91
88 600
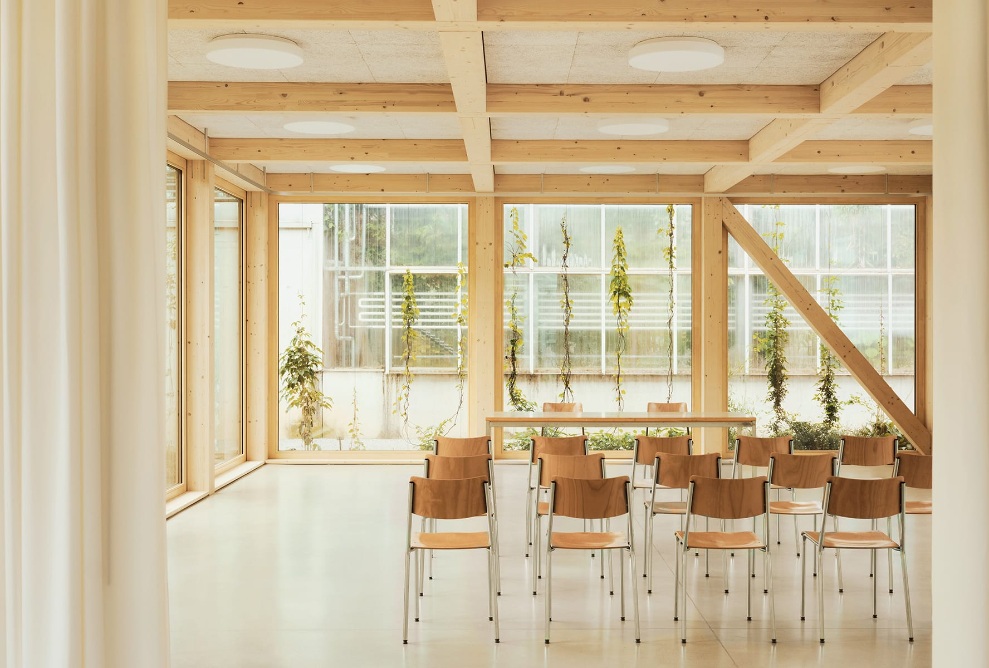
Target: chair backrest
666 407
867 450
453 468
728 498
646 447
916 469
676 470
864 499
582 467
449 446
590 499
802 471
755 450
449 499
562 407
556 445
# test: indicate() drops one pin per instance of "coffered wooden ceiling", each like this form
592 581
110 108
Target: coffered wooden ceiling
483 94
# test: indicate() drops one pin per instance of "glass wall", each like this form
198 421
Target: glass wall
174 470
863 255
342 278
659 336
228 310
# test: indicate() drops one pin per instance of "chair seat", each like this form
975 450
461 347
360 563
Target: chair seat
648 485
795 508
583 540
919 507
722 540
451 540
851 540
668 507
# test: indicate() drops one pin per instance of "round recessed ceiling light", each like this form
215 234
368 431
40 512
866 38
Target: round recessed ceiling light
607 169
633 127
319 127
357 168
857 169
676 54
254 52
923 127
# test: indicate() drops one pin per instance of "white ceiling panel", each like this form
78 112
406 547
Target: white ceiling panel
574 168
585 127
392 168
366 126
859 128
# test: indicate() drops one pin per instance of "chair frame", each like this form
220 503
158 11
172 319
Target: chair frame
628 545
683 547
820 547
818 511
416 552
531 495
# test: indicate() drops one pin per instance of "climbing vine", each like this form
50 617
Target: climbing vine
518 254
621 302
354 427
670 255
410 316
827 386
460 317
299 368
772 345
566 364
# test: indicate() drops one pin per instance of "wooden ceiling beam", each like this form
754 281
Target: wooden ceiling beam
338 150
684 151
917 152
824 326
314 98
573 15
370 183
880 65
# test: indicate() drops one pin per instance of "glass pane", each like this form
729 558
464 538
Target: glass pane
173 363
798 226
584 226
585 323
853 237
347 263
227 336
902 326
903 239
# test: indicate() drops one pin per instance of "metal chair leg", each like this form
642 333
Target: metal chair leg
889 555
405 617
537 554
906 590
875 587
418 582
635 590
803 580
492 562
772 593
820 596
748 588
621 580
549 588
676 579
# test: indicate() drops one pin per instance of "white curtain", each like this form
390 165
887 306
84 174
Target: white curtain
960 580
82 156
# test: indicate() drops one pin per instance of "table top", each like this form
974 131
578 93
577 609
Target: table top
618 419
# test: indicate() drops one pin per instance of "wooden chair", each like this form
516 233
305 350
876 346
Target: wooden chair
449 446
725 499
562 407
868 499
666 407
672 471
754 452
581 467
918 473
591 500
551 445
644 452
435 499
868 452
800 472
456 468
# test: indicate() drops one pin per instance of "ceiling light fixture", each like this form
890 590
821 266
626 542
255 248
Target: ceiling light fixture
319 127
357 168
254 52
633 127
923 127
607 169
857 169
676 54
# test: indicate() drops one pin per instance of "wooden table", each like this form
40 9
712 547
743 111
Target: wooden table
588 419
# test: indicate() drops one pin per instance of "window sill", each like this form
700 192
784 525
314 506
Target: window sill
235 473
182 501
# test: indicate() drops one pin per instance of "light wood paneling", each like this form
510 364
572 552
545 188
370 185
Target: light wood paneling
904 152
829 331
256 279
484 352
199 183
370 183
508 151
338 150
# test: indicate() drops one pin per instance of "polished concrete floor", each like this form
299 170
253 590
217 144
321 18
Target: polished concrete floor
302 566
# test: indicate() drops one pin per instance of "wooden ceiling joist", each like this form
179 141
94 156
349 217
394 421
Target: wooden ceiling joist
684 151
338 150
862 152
822 324
284 97
370 183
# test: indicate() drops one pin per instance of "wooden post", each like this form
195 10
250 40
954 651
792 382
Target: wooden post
484 347
924 320
199 325
710 322
256 322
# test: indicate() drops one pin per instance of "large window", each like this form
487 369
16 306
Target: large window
228 370
657 343
341 274
174 473
866 253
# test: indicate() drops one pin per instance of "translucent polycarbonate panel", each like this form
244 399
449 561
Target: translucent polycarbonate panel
427 235
228 364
